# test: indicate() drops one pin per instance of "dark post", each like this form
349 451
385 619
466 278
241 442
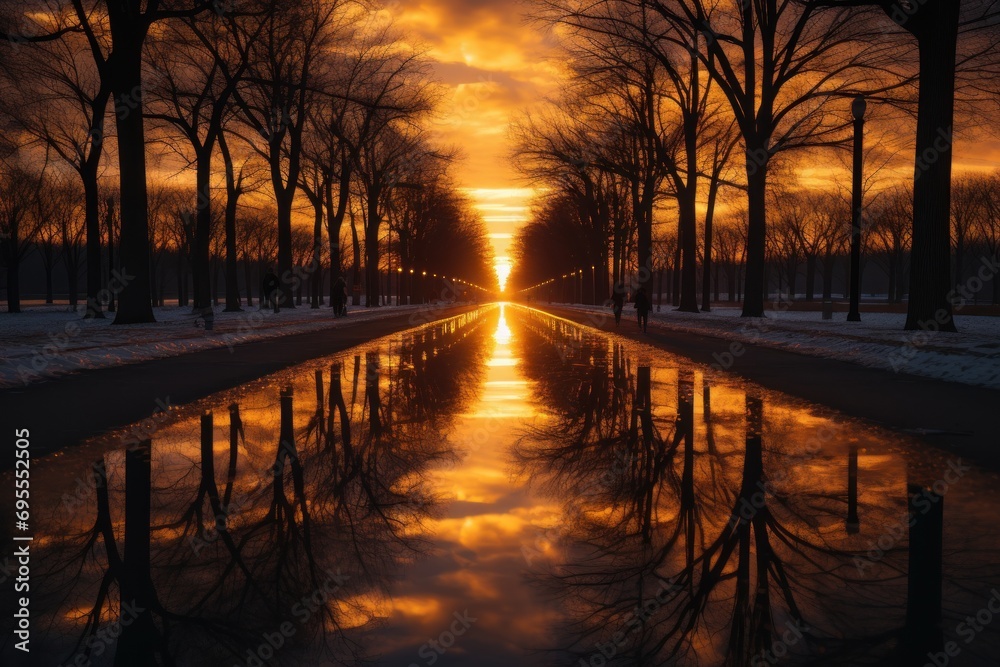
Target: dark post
235 426
320 417
287 429
207 449
858 109
922 634
139 639
853 524
707 402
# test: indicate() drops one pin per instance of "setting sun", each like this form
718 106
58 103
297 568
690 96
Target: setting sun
503 272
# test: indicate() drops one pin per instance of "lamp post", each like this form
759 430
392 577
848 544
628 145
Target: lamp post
858 107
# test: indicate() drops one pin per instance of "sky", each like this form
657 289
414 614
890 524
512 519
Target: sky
492 66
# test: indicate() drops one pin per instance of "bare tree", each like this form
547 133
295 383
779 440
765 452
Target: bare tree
288 68
116 34
61 101
779 64
201 64
20 223
949 35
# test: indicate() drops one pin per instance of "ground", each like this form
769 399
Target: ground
46 341
971 356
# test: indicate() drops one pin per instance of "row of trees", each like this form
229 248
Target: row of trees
808 247
313 110
435 226
676 105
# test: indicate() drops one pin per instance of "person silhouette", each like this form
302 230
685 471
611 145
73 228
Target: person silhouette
272 291
642 308
618 302
340 297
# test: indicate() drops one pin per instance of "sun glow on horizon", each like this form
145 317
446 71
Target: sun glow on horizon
503 268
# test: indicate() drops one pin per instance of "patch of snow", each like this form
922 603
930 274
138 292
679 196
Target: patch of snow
44 342
971 356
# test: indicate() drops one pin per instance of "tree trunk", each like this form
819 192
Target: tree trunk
675 275
316 275
644 239
135 306
688 215
232 256
810 277
285 202
371 267
13 283
792 277
248 281
181 275
755 289
48 276
356 296
216 277
931 254
200 259
152 281
996 284
72 277
335 222
706 269
111 256
92 216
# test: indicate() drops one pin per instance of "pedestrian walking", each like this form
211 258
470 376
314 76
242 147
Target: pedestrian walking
618 302
272 291
642 308
340 297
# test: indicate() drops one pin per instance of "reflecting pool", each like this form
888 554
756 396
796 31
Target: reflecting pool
505 487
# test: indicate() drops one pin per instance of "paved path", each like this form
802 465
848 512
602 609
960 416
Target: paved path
955 417
69 409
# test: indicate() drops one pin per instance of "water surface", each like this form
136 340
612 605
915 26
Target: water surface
506 487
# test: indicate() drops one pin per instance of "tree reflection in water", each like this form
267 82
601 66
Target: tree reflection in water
297 539
720 545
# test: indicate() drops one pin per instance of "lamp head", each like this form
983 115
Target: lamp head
858 107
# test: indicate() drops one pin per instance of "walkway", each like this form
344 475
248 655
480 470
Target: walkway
63 412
